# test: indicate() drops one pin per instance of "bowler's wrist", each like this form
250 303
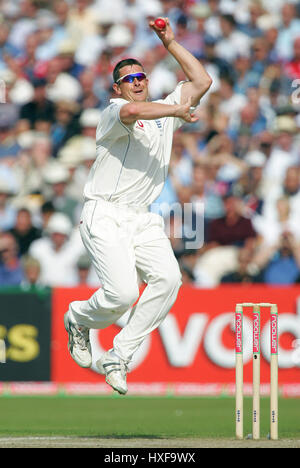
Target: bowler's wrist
169 44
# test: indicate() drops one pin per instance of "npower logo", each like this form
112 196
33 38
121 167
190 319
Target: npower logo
256 333
238 333
274 334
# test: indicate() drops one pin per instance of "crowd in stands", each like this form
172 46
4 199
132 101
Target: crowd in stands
235 173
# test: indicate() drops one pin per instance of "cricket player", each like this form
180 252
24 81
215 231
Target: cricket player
124 239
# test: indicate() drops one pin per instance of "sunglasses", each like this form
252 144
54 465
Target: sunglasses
131 77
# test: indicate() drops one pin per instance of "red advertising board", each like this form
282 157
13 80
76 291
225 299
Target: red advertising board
193 351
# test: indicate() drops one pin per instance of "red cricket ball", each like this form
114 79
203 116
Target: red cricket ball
160 23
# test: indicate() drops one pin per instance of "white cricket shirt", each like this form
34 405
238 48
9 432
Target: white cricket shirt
132 161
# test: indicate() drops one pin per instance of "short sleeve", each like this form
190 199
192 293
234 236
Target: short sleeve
175 98
110 126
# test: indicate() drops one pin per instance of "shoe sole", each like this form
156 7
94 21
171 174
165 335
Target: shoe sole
117 389
66 324
100 367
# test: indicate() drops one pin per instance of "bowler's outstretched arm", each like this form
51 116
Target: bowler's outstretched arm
199 80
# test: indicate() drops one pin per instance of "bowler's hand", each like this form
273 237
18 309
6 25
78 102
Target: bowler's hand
166 35
184 112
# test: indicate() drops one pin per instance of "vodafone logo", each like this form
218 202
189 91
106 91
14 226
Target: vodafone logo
181 345
140 124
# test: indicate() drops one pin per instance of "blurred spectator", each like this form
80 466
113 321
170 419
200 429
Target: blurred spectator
7 210
161 79
46 211
6 48
251 28
61 85
27 60
181 164
86 275
251 122
221 153
200 12
283 268
288 31
58 252
171 9
205 195
9 113
103 72
11 273
233 42
88 98
192 40
233 228
86 148
32 270
231 102
88 121
66 124
66 55
57 177
292 67
83 267
271 226
81 20
40 108
284 153
225 237
61 10
24 231
290 190
217 66
24 24
30 168
48 41
187 274
120 39
243 272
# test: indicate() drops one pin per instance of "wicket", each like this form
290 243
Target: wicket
239 394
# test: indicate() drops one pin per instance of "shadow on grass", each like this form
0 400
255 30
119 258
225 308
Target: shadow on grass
127 436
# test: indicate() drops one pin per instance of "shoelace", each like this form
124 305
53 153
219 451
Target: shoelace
125 366
81 336
120 366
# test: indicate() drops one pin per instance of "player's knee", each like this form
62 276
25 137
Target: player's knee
124 297
171 281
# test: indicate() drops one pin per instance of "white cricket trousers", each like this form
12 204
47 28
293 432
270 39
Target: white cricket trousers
127 243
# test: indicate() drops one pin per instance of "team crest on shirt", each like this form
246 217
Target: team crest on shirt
159 126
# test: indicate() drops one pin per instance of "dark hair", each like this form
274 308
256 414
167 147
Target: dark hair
230 19
124 63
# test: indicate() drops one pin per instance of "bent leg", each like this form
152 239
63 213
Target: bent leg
159 268
114 260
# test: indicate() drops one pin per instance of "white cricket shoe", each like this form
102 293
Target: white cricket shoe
79 342
115 370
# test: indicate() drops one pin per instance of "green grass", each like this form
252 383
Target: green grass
155 417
